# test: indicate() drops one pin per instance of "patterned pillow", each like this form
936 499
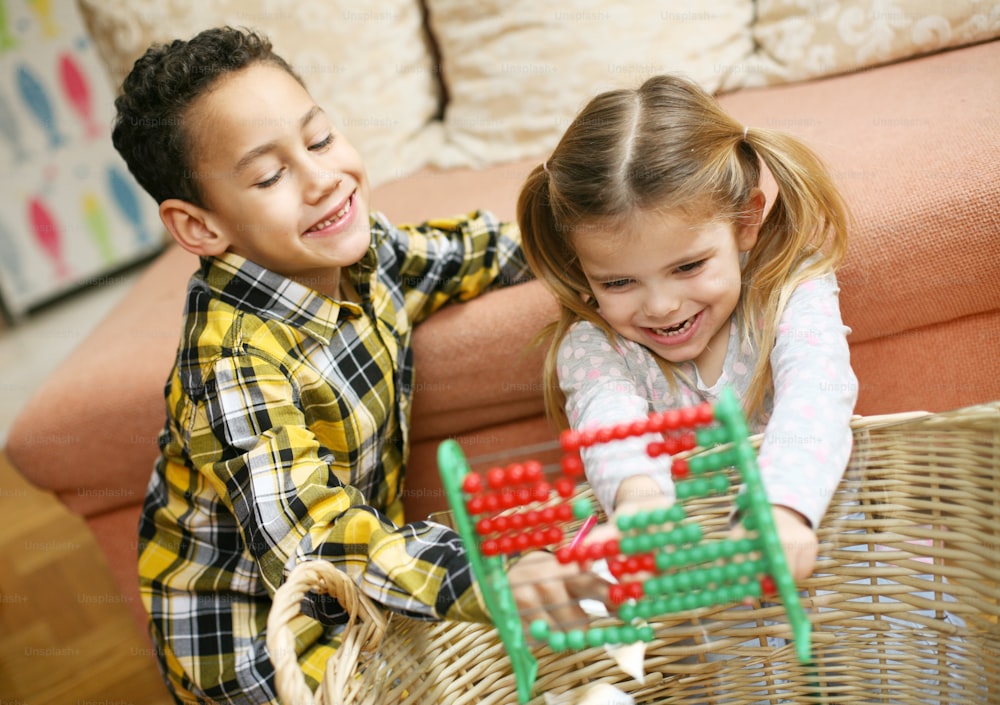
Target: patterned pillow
369 66
517 71
801 39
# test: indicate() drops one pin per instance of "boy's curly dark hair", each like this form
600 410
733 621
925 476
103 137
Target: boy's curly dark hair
149 129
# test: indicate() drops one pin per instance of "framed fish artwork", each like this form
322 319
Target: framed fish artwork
71 214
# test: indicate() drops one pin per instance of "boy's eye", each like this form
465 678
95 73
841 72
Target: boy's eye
325 142
691 266
269 181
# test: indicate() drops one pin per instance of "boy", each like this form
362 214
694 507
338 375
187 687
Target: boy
288 406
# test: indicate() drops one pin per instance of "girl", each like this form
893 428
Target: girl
648 225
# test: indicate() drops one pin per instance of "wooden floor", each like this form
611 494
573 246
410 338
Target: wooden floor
66 636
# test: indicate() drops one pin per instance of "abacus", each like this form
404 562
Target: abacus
510 509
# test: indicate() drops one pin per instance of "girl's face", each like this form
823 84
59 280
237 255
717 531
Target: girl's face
670 282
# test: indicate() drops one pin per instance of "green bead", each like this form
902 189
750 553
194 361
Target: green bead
557 641
690 601
663 561
626 611
646 633
641 519
576 639
582 508
596 636
539 630
676 513
692 533
698 464
645 543
613 635
720 483
624 522
627 545
629 634
660 515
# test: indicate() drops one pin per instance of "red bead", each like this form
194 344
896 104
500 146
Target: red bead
515 474
616 594
632 564
538 538
496 478
517 521
688 416
472 483
572 465
580 553
588 438
506 544
490 547
616 568
570 441
634 590
484 526
565 487
656 449
679 468
523 496
647 562
547 515
553 535
671 445
522 541
767 586
611 548
564 555
532 471
705 413
595 552
541 491
476 505
671 419
687 441
507 499
565 512
532 517
491 502
501 523
637 428
621 432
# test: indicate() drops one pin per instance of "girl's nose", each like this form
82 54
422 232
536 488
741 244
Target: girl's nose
660 301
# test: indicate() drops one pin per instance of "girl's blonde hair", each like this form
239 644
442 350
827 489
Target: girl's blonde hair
668 145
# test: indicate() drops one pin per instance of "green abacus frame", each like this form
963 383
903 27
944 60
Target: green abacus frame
755 513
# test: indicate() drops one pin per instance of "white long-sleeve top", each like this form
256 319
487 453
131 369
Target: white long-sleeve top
806 420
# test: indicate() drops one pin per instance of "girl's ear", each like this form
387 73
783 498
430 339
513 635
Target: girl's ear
749 222
191 227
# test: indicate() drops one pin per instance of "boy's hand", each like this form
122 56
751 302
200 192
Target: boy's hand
546 589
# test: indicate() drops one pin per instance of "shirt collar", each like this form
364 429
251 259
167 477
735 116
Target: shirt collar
247 286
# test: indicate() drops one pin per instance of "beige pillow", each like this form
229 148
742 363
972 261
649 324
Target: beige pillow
370 67
805 39
517 71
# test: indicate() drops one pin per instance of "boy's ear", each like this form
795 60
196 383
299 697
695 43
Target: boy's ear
749 222
192 228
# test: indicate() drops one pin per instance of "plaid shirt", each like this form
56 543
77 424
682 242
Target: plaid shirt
286 440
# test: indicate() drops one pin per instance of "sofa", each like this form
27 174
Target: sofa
452 103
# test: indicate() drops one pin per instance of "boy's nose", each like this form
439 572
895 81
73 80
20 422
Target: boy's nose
320 182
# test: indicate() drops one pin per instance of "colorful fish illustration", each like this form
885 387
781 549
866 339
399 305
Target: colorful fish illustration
38 102
125 198
97 223
77 91
47 234
44 12
7 41
11 131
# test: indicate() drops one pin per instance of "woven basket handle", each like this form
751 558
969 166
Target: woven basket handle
363 632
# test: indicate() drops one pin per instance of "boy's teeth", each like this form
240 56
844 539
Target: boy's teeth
336 216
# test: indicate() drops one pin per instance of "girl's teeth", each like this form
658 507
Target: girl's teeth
675 330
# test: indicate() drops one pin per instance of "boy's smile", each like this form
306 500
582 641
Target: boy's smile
669 283
281 186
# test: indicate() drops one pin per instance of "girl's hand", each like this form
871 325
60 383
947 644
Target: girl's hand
797 539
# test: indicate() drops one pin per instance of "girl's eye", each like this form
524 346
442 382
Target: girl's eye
691 266
323 143
266 183
616 284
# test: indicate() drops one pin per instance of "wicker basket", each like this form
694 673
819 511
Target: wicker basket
904 604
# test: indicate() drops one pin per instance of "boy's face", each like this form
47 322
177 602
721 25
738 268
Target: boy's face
281 186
